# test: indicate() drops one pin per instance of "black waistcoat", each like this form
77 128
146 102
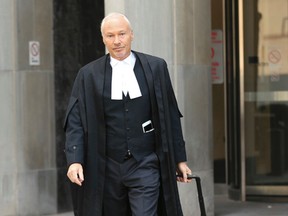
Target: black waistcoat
124 119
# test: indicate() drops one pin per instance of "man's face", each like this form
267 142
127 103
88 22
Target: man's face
117 37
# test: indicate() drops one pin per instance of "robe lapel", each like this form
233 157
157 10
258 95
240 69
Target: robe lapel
96 83
98 77
157 104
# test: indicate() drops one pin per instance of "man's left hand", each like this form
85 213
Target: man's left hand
184 170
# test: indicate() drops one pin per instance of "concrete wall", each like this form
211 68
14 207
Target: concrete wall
27 137
179 32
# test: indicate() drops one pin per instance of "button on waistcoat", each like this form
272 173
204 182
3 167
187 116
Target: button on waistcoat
124 119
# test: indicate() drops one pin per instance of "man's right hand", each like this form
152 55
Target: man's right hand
75 173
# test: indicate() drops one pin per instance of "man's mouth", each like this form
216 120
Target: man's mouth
118 48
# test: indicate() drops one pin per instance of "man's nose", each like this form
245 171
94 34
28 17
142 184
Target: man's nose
116 40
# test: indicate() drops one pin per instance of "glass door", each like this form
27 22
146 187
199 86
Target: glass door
264 96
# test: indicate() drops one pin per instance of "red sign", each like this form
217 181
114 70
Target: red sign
217 57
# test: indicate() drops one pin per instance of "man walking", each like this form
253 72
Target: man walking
124 142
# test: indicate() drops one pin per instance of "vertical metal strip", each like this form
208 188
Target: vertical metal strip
225 87
242 102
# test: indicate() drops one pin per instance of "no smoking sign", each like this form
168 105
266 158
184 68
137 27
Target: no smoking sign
274 56
34 53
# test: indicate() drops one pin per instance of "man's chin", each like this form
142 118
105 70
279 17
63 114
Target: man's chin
120 56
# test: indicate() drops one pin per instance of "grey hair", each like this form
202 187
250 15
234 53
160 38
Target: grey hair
114 15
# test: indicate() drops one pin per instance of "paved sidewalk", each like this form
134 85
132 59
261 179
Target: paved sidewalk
227 207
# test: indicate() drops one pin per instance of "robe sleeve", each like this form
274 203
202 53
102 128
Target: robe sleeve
175 115
73 127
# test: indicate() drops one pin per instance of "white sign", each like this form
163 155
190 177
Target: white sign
34 53
217 69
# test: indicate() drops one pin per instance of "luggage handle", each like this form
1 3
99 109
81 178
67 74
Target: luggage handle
200 195
199 190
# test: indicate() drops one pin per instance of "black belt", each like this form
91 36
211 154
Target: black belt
128 156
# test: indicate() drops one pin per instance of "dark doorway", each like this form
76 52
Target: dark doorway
77 41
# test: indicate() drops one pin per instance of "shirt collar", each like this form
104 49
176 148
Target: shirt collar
131 59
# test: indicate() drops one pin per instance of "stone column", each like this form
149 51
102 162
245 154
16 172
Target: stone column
179 32
27 137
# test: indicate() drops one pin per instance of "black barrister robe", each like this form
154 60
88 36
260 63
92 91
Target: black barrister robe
85 134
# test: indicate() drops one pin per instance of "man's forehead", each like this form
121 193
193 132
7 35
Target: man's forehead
115 27
114 31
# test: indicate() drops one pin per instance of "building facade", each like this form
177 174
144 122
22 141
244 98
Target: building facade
44 43
28 169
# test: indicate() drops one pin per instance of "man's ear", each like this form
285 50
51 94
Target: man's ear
132 35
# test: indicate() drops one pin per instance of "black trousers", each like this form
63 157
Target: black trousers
132 187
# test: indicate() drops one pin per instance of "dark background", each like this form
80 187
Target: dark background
77 41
